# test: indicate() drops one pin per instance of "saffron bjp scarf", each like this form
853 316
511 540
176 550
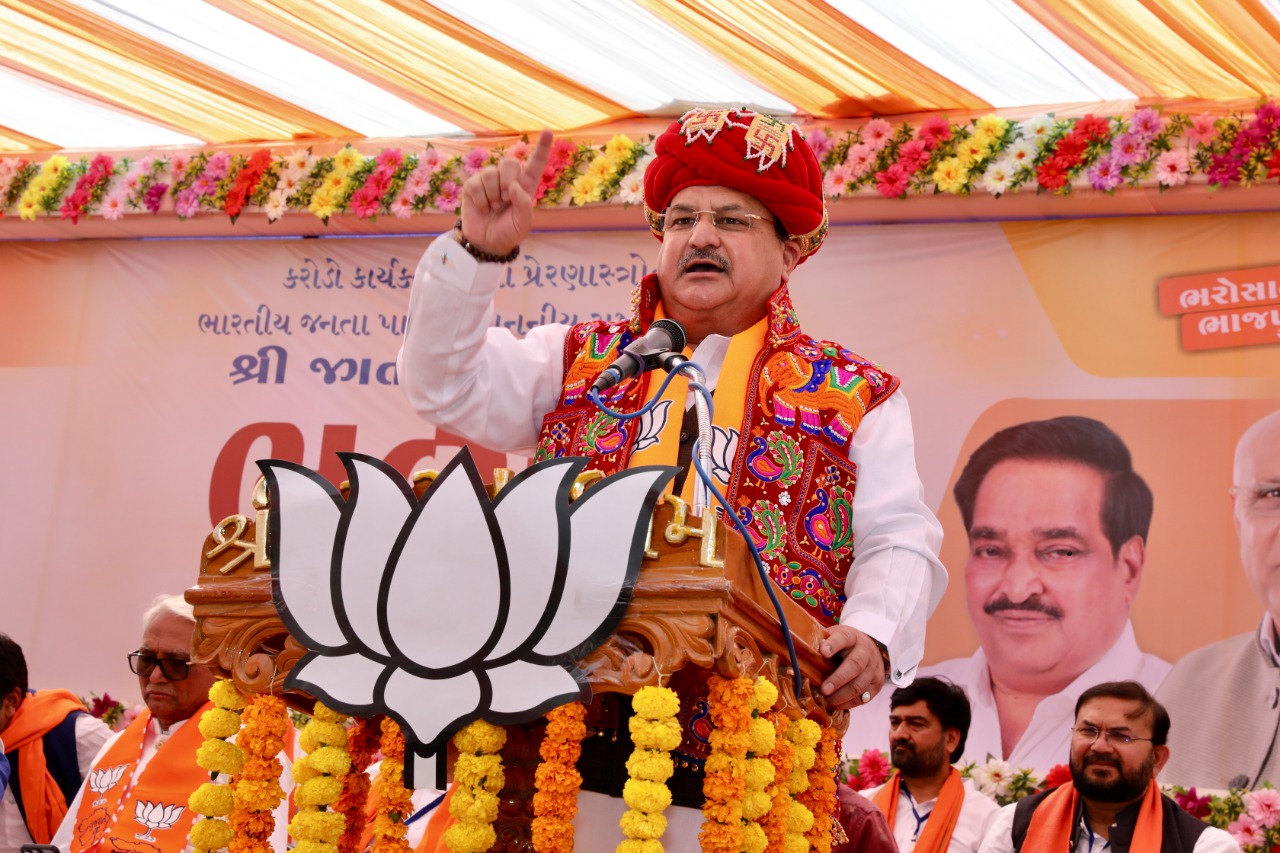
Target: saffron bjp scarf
1054 820
41 797
936 835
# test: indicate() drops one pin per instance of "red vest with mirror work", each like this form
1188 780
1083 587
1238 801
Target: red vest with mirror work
791 480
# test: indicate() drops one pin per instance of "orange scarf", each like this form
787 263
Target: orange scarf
1055 818
116 808
432 835
41 797
941 821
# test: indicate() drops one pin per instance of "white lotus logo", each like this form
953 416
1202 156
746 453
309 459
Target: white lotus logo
441 610
155 816
101 781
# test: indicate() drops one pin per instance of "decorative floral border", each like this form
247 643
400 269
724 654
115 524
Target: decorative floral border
989 155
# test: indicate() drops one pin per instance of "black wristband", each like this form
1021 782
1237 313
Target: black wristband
480 254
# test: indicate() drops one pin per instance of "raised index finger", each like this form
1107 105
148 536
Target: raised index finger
531 175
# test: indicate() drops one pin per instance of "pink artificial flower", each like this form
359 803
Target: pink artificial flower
402 208
936 129
1196 806
449 198
838 180
892 182
1129 149
179 164
561 154
155 195
1104 174
914 154
821 143
877 133
132 180
1173 167
187 202
430 161
204 185
390 159
518 150
861 159
365 203
419 184
1268 116
218 165
146 164
473 161
1202 129
129 715
113 207
1263 806
873 767
1147 123
101 165
1246 831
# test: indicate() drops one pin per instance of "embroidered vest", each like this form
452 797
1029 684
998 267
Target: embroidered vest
149 813
790 476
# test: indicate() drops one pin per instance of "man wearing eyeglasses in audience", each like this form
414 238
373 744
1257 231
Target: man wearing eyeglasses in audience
1112 803
737 200
138 788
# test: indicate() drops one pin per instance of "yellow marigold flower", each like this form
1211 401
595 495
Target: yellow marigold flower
639 845
317 733
655 703
804 732
476 771
470 837
320 791
756 804
224 694
799 818
735 743
210 834
655 734
330 759
212 799
303 772
638 824
718 762
480 736
766 693
218 723
761 736
477 806
754 840
759 773
650 764
309 846
646 796
793 843
317 826
218 756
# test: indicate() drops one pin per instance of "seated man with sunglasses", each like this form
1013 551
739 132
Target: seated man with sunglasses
135 797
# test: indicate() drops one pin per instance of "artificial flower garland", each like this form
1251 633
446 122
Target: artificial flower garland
214 800
394 803
774 823
655 731
729 704
820 795
265 722
555 802
318 777
477 777
804 736
756 800
363 739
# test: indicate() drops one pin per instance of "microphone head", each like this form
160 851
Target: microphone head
675 330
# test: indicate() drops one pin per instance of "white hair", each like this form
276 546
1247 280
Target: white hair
174 605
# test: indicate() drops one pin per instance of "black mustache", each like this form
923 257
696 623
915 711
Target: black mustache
704 253
1033 605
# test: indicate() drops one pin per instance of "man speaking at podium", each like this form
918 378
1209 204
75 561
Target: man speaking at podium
800 424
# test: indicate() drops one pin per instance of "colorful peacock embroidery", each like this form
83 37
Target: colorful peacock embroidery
602 435
775 459
830 523
767 527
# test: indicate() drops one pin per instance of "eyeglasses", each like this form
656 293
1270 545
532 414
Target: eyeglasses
1090 734
144 663
728 221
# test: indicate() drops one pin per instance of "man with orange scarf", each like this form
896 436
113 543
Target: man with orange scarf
1112 802
931 809
49 741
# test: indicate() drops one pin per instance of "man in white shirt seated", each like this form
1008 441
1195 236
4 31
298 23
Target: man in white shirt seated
926 802
1112 802
1057 521
135 797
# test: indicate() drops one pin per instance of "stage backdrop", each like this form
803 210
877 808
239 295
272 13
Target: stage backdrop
141 379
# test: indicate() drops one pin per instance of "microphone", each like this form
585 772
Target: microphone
658 347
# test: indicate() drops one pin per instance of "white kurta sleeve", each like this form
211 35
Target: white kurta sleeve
896 579
462 373
999 838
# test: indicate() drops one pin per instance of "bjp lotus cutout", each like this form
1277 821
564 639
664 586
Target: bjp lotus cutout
455 606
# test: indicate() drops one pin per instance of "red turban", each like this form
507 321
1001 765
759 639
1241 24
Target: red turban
759 155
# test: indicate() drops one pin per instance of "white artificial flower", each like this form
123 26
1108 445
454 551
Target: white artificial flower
993 777
1037 126
998 176
276 205
631 190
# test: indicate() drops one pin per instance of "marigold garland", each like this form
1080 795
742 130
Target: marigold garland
761 737
478 778
774 823
257 787
214 800
820 796
804 736
316 827
655 731
555 802
730 705
363 740
394 803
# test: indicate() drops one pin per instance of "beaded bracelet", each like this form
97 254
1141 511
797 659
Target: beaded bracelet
480 254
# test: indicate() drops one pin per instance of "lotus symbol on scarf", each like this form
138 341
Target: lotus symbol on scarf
103 780
454 606
155 816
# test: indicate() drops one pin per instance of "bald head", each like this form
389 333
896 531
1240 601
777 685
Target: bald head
1255 502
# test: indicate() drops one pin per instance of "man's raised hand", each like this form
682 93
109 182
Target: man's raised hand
497 201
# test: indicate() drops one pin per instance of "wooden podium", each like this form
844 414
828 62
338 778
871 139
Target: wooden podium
698 602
